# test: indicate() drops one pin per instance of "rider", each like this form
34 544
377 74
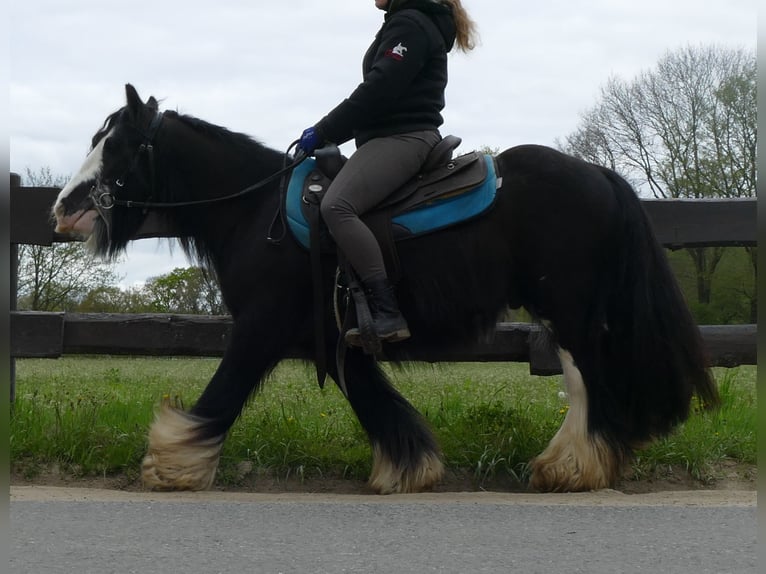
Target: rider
394 117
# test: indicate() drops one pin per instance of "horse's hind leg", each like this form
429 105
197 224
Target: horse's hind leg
575 459
405 454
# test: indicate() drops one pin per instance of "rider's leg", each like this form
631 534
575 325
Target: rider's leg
373 172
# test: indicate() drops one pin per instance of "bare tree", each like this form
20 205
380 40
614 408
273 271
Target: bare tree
686 129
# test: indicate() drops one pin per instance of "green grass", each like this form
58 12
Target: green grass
710 438
89 416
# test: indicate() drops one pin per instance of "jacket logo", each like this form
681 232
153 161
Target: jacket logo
397 52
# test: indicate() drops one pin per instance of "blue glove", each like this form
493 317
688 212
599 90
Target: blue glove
311 138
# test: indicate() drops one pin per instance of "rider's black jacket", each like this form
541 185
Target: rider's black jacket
404 77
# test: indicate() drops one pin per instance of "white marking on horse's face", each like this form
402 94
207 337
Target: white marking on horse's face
74 211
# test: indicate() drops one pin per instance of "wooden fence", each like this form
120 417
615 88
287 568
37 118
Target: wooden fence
677 223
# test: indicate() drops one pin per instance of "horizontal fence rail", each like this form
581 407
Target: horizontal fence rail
678 223
51 335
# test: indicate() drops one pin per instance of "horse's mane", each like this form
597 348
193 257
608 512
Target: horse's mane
215 132
221 134
252 153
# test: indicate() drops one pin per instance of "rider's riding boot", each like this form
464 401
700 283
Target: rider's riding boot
387 321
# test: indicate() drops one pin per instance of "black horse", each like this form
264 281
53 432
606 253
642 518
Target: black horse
566 239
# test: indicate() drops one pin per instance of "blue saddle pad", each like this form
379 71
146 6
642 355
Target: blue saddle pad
437 214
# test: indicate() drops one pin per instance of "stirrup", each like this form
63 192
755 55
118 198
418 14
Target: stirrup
353 336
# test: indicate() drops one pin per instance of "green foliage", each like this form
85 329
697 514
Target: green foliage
733 295
112 299
185 290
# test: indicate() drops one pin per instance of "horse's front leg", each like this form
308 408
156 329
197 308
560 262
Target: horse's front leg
184 447
178 457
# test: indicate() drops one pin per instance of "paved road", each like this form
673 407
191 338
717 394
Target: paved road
73 531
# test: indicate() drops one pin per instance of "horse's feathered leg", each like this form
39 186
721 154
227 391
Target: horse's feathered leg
406 456
575 459
177 459
184 448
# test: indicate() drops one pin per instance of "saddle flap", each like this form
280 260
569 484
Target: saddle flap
459 174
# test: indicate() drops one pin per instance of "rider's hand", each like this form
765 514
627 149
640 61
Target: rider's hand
311 139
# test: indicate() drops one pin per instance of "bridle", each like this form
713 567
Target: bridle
104 199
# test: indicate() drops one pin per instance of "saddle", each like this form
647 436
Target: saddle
447 191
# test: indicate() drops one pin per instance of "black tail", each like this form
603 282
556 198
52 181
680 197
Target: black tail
652 351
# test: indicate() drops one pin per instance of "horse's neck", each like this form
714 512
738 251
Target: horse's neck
204 166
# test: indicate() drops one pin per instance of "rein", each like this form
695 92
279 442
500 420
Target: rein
105 200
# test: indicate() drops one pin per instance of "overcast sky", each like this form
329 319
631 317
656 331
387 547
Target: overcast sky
272 69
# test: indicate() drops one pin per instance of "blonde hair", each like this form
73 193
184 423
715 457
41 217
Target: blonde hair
467 32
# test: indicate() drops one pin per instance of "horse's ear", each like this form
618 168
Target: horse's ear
134 100
152 103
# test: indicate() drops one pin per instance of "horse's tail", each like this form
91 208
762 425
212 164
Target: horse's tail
654 353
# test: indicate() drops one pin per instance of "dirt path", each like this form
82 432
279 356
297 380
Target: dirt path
738 488
600 498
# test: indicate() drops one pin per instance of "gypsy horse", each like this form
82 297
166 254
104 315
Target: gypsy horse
567 240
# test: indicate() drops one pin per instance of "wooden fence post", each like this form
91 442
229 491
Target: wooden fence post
14 289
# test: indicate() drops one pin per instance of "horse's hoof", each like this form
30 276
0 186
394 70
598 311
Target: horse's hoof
569 467
387 478
176 459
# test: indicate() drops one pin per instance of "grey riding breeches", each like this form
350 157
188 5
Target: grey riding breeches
377 169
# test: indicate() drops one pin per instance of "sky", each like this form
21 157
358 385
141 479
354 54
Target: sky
272 69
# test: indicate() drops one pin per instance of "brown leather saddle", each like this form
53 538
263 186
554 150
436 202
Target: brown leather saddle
441 177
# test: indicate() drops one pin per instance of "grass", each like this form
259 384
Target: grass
89 416
709 439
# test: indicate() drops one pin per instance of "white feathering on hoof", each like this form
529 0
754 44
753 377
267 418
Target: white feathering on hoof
175 459
575 459
386 478
565 466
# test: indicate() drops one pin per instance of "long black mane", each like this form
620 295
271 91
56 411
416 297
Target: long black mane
219 135
244 161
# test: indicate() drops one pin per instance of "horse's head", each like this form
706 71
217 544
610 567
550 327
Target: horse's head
118 168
